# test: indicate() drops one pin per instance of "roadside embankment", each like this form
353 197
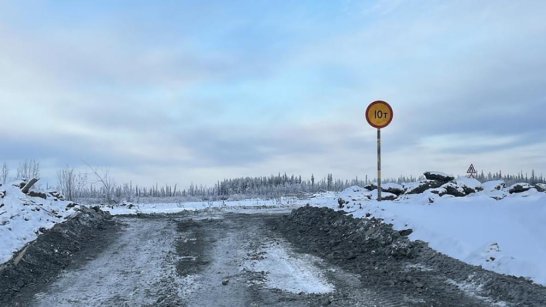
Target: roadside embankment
42 259
389 262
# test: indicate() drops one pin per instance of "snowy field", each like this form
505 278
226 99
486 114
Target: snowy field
242 206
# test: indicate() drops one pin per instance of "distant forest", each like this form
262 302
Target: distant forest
98 186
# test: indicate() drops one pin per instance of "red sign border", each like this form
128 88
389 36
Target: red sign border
376 102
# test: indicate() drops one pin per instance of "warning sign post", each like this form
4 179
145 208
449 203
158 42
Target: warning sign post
379 115
471 171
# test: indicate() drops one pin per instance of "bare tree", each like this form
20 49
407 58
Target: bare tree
28 169
68 182
4 173
108 184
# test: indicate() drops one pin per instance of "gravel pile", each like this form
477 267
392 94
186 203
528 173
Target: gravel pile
42 259
403 270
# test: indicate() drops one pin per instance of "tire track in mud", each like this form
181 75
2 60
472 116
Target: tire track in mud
229 259
137 269
249 264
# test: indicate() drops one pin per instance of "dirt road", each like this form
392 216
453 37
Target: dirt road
228 259
205 260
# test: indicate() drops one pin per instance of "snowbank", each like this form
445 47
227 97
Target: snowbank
506 236
23 217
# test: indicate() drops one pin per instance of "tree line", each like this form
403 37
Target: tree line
511 178
96 185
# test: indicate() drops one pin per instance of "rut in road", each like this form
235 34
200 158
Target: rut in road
261 269
136 269
201 260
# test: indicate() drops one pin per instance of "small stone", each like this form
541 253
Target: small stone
225 282
405 232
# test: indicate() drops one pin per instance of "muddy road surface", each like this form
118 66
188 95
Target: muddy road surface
204 260
224 259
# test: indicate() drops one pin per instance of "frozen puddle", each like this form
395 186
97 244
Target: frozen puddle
284 271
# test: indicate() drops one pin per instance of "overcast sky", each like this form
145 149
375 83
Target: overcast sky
195 91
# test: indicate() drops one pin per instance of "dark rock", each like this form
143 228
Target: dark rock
405 232
389 197
225 282
71 205
393 188
453 189
37 194
370 187
56 195
440 191
468 190
341 202
519 188
423 186
438 176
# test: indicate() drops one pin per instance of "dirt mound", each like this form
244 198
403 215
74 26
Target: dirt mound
42 259
408 271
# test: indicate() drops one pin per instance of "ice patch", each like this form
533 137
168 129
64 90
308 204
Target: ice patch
289 273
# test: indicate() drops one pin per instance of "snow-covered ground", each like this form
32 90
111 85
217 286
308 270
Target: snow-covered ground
23 218
246 206
506 236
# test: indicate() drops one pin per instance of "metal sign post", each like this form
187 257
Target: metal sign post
379 164
379 115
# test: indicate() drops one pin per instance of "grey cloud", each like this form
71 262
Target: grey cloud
239 146
62 149
74 151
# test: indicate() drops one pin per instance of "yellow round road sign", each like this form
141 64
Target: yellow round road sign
379 114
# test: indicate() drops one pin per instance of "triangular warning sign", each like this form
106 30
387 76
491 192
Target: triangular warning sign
471 169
